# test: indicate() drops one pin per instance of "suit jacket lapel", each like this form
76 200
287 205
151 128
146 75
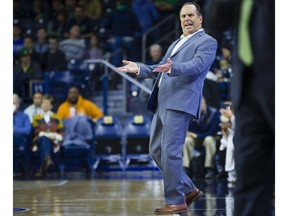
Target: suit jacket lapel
194 37
169 51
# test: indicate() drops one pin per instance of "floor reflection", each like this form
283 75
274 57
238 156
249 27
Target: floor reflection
115 196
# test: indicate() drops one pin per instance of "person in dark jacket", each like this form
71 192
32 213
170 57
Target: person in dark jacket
24 72
53 59
123 24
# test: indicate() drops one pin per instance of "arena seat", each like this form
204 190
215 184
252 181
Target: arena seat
109 145
136 137
79 157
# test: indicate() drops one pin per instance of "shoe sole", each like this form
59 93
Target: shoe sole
200 194
169 213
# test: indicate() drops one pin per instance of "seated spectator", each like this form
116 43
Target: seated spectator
53 59
148 16
39 11
69 6
55 6
77 105
48 129
92 9
94 50
83 21
29 44
203 133
212 90
58 25
35 108
17 40
166 8
227 128
123 25
23 72
225 70
74 46
41 45
155 56
21 132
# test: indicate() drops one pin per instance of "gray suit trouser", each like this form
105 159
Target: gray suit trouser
168 132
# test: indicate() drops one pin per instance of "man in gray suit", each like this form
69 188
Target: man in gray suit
176 100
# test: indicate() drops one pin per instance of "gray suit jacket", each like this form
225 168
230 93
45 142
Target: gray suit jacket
182 89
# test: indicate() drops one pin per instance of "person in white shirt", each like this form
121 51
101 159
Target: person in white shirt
34 108
227 128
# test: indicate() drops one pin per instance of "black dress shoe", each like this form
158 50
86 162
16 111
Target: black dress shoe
193 196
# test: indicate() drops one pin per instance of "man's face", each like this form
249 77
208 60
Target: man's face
79 13
73 95
28 43
37 99
52 44
190 20
155 54
25 59
46 105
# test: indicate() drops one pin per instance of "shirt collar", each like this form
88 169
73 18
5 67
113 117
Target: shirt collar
188 36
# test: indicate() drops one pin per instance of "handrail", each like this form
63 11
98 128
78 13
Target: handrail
124 75
144 37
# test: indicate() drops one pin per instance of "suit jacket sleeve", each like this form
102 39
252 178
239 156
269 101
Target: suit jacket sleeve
200 61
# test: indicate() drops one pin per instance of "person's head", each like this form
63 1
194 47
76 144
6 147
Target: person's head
94 40
41 34
79 12
74 32
47 103
191 18
16 102
226 51
61 15
70 3
56 4
53 43
17 31
204 105
24 55
37 99
224 64
155 52
28 42
73 95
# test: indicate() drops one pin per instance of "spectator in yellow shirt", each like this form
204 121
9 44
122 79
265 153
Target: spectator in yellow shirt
76 105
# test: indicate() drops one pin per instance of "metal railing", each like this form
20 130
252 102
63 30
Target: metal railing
106 78
175 32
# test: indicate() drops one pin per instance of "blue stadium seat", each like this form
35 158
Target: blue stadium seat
136 137
109 145
21 155
79 157
18 158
